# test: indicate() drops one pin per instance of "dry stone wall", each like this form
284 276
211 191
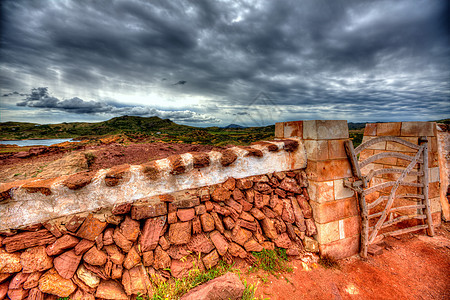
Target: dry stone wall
113 255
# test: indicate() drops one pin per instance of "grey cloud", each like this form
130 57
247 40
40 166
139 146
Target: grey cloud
303 53
40 98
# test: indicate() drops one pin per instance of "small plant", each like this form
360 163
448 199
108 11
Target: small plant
328 262
63 298
271 261
176 287
142 297
90 158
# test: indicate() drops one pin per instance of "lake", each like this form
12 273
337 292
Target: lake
48 142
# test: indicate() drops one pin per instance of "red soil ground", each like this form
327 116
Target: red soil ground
414 266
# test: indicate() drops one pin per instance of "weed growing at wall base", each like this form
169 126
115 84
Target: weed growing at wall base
271 261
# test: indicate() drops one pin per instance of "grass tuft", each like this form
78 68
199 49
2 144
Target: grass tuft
328 262
271 261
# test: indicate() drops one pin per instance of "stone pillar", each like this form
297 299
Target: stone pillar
335 208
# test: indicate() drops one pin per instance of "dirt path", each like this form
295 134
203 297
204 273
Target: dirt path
414 266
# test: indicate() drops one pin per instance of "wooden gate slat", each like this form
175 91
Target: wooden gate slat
385 155
373 173
388 184
424 140
380 139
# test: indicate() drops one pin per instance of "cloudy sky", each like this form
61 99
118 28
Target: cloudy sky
219 62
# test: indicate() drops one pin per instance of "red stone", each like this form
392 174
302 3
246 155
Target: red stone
247 225
35 259
177 164
53 228
261 200
110 290
91 228
257 214
227 286
79 180
283 241
67 263
130 229
186 214
220 194
200 209
288 212
209 206
238 194
211 259
280 193
181 268
121 241
219 242
291 185
74 223
28 239
229 184
246 206
108 236
114 254
218 222
304 205
244 183
95 257
236 250
151 232
240 235
147 258
18 280
67 241
83 246
233 204
262 187
228 157
116 174
310 227
121 209
180 233
207 222
32 280
164 243
269 229
251 245
178 252
144 211
228 222
196 225
17 294
200 159
162 259
132 259
34 294
200 244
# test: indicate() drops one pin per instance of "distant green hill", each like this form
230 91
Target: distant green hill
129 125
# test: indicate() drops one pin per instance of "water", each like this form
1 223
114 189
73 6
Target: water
48 142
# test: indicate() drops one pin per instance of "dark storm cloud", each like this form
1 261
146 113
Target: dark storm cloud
376 59
40 98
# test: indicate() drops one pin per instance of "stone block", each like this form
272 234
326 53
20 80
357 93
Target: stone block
392 129
200 244
279 130
341 192
435 204
437 218
211 259
334 210
207 222
349 227
325 129
370 129
341 248
336 149
293 129
114 254
327 232
321 191
418 129
91 228
328 169
28 239
95 257
219 242
83 246
433 189
433 174
67 263
316 149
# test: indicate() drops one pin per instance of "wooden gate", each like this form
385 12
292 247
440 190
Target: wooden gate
374 191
